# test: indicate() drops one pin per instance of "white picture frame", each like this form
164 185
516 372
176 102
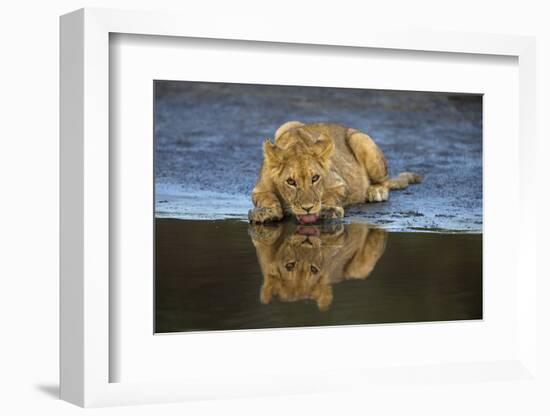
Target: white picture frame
85 207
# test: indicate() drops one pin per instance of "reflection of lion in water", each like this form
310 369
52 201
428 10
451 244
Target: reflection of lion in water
313 171
304 262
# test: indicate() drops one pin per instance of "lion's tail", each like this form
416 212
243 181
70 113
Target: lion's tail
403 180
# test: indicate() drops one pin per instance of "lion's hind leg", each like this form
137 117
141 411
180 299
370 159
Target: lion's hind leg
370 155
373 160
377 193
373 245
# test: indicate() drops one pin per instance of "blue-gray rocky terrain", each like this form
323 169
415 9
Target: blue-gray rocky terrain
208 148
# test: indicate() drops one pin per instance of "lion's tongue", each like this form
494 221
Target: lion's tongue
308 230
308 218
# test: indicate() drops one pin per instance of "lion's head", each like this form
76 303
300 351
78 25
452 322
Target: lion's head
299 171
300 270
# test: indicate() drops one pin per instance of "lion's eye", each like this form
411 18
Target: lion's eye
315 178
314 270
291 182
290 266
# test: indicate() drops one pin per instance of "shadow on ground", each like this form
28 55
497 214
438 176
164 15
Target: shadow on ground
51 390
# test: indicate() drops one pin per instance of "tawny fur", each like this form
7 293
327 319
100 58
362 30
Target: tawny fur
297 267
320 169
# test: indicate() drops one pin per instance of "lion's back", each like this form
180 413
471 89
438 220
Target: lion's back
336 132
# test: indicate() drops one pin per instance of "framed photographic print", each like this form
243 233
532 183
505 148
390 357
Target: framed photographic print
246 214
420 248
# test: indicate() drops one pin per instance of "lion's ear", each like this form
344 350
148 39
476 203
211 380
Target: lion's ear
272 153
323 296
265 295
305 135
323 147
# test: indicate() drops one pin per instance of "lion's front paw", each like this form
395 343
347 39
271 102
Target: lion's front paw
266 234
261 215
331 213
377 193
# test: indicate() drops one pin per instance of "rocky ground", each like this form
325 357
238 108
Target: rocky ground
208 148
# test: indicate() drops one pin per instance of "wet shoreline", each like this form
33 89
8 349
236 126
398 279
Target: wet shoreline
391 215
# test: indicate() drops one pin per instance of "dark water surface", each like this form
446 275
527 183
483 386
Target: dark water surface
227 275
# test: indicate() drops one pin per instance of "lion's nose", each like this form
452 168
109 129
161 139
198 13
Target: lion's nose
307 208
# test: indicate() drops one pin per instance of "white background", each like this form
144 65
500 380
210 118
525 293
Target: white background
29 209
137 60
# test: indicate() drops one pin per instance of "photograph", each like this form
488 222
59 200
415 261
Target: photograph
281 206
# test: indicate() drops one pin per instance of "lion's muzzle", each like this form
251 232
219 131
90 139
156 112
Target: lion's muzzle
307 218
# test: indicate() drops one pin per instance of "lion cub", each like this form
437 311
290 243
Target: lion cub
313 171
